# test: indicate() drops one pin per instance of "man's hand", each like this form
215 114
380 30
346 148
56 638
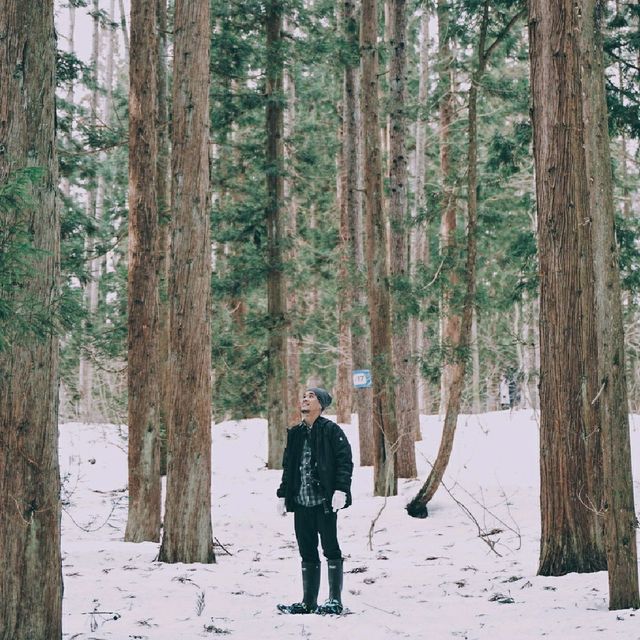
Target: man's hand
281 507
339 500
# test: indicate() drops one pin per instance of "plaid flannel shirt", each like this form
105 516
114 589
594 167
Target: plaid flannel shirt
309 494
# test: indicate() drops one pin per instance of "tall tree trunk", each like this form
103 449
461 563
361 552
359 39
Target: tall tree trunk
345 197
420 230
143 372
125 32
620 516
569 540
449 317
277 400
343 375
352 161
188 533
107 115
403 364
313 302
291 202
86 382
31 577
163 188
385 429
418 506
71 40
475 361
529 350
109 71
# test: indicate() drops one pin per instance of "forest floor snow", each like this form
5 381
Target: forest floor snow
430 579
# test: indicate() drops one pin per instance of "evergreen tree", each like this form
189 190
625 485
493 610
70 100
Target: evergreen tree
385 430
352 237
417 507
277 378
404 370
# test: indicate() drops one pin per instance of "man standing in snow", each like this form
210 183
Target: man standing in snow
316 483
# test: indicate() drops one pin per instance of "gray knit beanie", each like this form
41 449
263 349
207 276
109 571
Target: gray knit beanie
324 397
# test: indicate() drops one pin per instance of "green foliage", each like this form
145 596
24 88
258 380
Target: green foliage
23 317
92 151
627 234
239 345
314 51
622 46
69 69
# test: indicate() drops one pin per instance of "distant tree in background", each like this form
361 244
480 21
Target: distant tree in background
292 243
404 371
238 219
353 238
31 576
86 369
276 376
385 429
449 319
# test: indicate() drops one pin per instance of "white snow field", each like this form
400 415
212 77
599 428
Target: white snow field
404 578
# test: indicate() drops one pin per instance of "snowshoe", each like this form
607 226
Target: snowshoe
330 607
297 608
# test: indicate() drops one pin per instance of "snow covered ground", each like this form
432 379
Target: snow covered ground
419 579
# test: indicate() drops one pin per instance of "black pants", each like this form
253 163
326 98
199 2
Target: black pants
308 523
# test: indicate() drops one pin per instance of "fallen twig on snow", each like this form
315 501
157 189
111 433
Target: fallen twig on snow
391 613
373 524
486 510
114 506
483 535
217 543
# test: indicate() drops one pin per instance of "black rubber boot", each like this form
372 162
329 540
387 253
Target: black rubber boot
310 588
334 604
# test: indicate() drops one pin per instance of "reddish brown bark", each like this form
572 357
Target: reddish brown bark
31 578
164 234
352 194
345 289
449 317
187 524
294 384
277 396
418 506
568 537
143 373
620 517
385 431
403 358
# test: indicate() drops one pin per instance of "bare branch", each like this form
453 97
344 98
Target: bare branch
373 524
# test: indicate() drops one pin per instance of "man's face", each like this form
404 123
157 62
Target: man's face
310 404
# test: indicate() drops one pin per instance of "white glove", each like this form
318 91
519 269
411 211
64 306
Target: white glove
339 500
281 507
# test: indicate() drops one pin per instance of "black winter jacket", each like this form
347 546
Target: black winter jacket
331 461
